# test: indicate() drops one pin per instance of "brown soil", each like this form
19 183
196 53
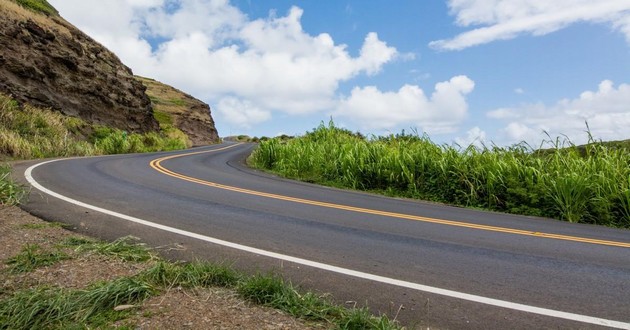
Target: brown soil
212 308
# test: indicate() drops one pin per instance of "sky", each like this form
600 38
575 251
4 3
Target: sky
462 71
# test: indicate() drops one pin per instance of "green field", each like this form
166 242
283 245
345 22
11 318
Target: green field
588 184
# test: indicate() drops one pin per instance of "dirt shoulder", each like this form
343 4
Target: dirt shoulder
176 308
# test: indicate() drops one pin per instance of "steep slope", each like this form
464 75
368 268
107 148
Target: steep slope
47 62
175 108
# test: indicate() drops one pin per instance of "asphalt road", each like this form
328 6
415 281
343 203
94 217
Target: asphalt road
428 265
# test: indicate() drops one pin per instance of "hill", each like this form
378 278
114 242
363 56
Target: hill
175 109
46 62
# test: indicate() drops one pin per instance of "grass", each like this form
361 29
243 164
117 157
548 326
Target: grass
125 248
31 257
28 132
56 308
587 184
10 192
38 6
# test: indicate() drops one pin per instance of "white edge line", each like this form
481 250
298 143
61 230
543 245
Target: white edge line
376 278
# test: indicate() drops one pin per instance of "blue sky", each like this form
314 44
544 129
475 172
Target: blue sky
498 71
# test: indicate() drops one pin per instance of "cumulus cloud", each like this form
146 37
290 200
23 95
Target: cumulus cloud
605 110
502 20
440 113
210 49
474 136
241 113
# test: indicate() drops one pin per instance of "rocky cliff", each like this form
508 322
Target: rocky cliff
47 62
175 108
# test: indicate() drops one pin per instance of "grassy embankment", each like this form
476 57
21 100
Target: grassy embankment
28 132
589 184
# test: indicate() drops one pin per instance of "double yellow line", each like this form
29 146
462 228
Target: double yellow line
156 164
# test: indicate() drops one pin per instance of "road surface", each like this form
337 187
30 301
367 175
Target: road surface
427 265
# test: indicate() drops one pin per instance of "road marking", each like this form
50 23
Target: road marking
28 174
156 164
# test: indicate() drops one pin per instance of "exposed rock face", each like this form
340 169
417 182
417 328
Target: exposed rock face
47 62
176 108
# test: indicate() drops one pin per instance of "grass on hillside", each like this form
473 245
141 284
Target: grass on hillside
590 184
29 132
38 6
57 308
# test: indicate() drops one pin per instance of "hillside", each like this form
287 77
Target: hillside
174 108
46 62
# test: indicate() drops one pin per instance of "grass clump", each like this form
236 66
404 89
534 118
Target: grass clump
10 192
273 291
588 184
191 275
38 6
31 257
125 248
44 308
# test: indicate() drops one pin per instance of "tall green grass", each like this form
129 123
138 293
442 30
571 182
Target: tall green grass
28 132
10 192
590 184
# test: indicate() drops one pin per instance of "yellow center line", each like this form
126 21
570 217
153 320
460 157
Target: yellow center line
156 164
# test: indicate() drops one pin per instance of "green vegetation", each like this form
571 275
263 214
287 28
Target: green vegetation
33 257
10 192
29 132
123 248
55 308
38 6
114 141
589 184
94 307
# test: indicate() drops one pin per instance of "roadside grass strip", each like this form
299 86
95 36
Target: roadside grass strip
57 308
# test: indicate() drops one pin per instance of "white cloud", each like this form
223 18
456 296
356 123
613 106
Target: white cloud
242 114
605 110
211 50
502 20
409 106
474 136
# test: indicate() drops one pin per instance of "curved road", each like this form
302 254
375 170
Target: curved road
426 264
